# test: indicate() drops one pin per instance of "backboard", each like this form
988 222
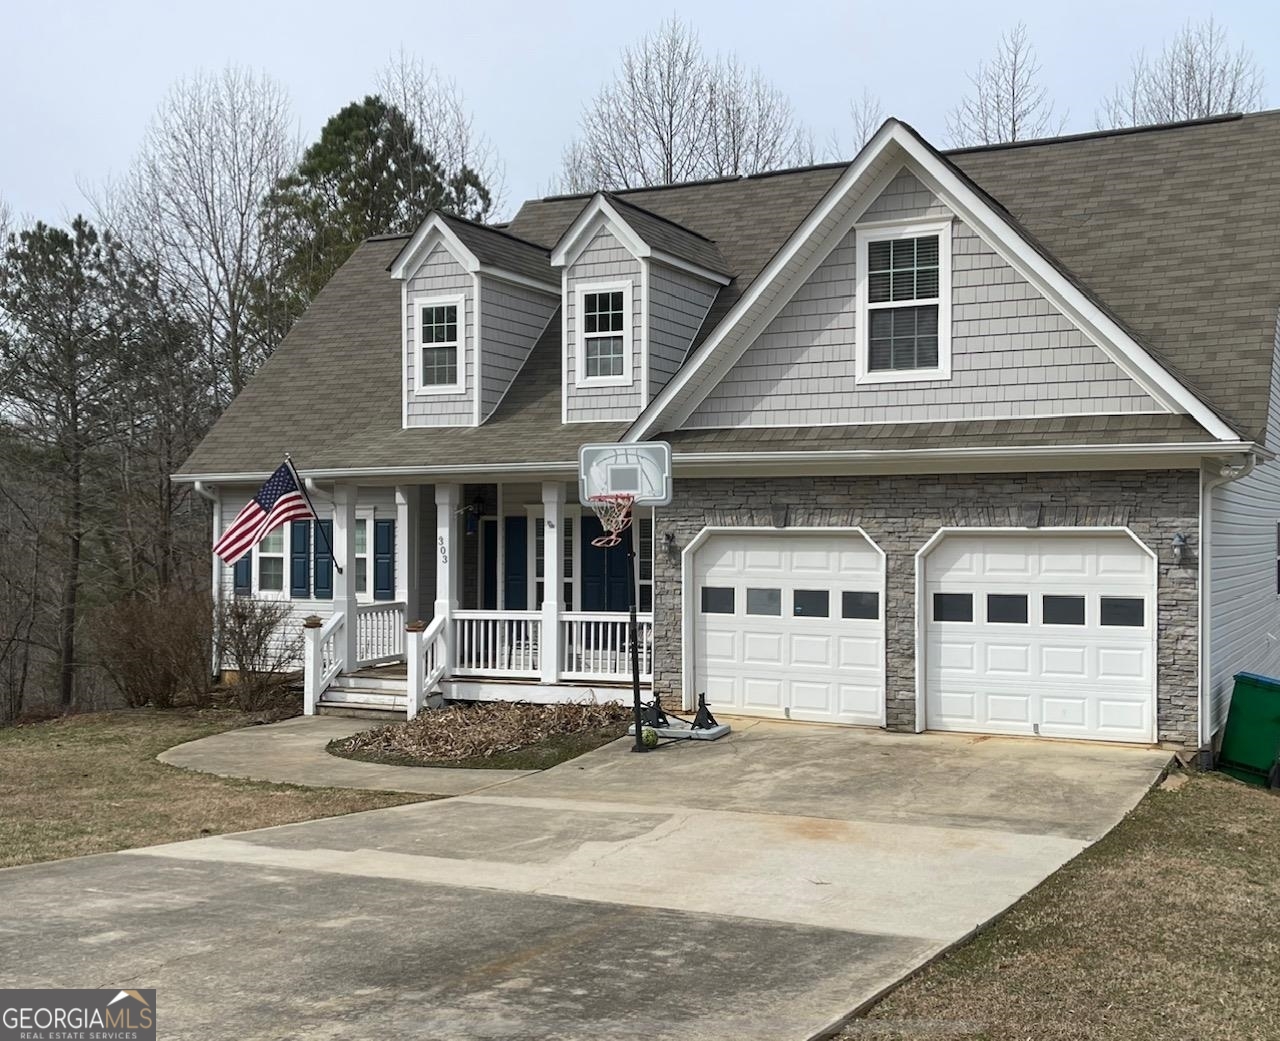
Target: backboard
642 469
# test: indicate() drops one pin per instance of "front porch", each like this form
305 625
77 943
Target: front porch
474 616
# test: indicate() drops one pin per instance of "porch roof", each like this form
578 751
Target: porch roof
336 405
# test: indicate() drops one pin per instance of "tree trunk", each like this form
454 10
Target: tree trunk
71 587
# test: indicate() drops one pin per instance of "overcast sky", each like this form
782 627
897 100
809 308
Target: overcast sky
79 81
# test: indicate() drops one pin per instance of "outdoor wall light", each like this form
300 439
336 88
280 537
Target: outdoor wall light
474 511
669 544
1179 547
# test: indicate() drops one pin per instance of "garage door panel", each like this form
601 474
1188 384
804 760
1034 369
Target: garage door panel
1022 676
765 659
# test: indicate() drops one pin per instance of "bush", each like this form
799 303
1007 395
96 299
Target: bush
253 641
157 648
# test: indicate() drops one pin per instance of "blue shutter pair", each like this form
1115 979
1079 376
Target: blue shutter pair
303 568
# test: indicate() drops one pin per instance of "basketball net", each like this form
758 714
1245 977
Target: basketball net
614 513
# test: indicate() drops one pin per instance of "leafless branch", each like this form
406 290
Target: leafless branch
1008 102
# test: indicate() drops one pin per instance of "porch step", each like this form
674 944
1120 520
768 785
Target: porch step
363 702
369 680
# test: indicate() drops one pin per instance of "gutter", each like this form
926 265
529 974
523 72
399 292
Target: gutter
748 459
1227 473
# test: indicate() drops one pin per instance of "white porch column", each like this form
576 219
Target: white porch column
407 499
448 497
552 577
344 579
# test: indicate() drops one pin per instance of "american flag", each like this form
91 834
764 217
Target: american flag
280 499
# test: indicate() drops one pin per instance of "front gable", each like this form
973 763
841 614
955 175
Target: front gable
983 237
1010 353
439 286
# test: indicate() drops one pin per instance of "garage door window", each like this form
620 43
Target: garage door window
953 607
860 605
1123 610
811 603
1063 610
1010 608
717 600
764 601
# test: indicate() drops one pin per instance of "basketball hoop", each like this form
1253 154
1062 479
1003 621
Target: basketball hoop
613 510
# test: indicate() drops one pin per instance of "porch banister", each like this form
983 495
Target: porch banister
313 663
416 681
448 496
344 580
552 578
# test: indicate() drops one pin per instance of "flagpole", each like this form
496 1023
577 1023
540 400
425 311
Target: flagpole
303 489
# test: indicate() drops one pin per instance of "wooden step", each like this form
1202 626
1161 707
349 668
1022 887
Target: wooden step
363 696
364 681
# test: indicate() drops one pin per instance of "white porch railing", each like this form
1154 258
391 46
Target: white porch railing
425 662
380 632
323 659
497 643
595 646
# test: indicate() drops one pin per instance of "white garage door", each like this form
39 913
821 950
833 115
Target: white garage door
790 625
1050 634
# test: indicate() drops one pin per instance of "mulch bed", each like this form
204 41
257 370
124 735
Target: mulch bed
480 730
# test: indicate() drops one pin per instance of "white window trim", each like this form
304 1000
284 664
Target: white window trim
366 514
458 300
580 336
865 234
282 593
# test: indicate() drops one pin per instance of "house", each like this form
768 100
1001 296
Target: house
979 440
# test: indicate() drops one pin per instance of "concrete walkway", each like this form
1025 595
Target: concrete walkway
293 752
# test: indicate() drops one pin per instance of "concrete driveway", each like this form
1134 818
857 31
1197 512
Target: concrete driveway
759 887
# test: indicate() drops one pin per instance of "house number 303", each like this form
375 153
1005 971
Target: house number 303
444 550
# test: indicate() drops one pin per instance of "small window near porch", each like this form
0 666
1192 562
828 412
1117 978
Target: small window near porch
271 561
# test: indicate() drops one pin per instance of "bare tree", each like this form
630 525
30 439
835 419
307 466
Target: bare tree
671 114
1008 101
191 207
1196 75
866 114
440 120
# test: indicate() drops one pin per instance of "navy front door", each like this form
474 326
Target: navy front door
604 571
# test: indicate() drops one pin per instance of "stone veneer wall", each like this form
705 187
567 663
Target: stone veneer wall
901 513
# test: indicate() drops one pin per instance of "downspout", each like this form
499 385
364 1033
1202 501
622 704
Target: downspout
214 496
1227 472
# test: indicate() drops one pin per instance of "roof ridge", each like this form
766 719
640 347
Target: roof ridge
727 179
658 217
1090 135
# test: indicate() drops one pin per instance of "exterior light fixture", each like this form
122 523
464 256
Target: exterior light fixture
669 544
1179 547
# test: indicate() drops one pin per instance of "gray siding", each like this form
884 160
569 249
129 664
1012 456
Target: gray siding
905 198
1244 611
511 320
440 275
678 303
382 501
1013 354
604 260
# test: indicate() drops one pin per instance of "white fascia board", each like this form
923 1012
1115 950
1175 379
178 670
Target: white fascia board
970 207
501 275
431 231
685 265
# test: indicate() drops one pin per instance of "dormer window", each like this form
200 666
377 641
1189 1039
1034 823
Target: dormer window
904 303
440 361
604 337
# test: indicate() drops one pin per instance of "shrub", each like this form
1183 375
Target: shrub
157 648
253 641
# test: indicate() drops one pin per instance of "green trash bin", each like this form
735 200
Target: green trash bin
1251 741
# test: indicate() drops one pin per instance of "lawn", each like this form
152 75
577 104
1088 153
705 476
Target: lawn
1165 928
495 736
91 784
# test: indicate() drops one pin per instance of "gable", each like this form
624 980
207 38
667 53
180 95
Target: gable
1013 353
439 275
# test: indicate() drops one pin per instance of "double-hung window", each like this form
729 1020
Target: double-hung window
440 359
604 351
904 303
271 561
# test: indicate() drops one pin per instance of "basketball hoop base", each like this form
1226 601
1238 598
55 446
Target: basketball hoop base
703 728
679 730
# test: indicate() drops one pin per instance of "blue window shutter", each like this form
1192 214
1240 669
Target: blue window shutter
300 560
324 560
384 560
242 584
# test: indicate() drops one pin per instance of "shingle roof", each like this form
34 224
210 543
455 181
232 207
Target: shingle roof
500 249
1175 230
665 234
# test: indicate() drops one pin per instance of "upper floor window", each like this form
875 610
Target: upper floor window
604 340
440 359
904 303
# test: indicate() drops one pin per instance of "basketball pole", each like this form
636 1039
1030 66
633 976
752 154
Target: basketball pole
633 633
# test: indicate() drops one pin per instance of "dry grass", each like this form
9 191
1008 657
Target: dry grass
505 735
91 784
1166 928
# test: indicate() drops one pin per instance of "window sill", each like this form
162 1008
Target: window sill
604 381
437 391
904 376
